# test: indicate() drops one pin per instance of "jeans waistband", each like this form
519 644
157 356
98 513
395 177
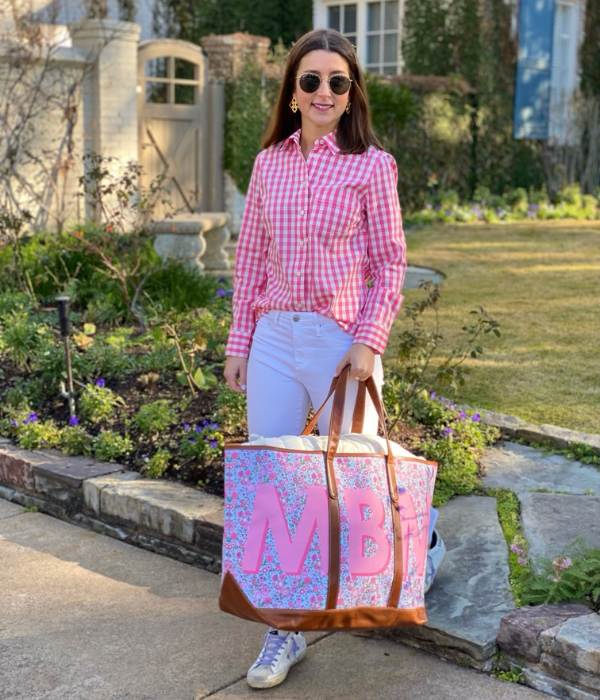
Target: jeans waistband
304 317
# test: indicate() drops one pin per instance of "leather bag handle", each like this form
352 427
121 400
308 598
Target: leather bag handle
359 408
338 388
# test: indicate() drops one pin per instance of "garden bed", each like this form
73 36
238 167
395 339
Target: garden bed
148 379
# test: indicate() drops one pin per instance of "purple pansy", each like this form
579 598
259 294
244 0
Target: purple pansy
73 420
186 427
31 418
101 382
447 431
476 417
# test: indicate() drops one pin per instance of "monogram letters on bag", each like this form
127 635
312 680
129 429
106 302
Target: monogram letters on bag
292 550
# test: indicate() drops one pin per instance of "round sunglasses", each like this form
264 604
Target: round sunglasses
339 84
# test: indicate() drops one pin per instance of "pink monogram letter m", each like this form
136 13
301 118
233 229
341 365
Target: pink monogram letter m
268 513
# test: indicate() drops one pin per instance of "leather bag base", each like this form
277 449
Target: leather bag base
232 600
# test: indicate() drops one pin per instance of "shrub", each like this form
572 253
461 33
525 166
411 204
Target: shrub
155 417
35 434
158 464
98 403
457 441
75 440
110 446
22 338
177 287
231 410
202 443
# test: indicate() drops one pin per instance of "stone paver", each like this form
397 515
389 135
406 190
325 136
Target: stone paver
552 435
471 592
521 468
554 521
9 510
87 617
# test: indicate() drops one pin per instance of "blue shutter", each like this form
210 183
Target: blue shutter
534 69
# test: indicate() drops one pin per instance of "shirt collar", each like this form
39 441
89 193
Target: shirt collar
329 140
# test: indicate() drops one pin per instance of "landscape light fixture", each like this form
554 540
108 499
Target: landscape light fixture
65 329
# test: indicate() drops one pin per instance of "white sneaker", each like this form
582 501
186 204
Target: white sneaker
281 650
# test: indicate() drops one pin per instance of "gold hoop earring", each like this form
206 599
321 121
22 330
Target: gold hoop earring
294 104
348 107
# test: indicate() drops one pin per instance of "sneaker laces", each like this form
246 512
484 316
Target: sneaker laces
273 645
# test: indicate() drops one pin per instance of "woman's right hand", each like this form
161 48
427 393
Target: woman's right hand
235 373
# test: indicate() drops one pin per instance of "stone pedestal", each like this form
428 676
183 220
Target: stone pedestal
197 240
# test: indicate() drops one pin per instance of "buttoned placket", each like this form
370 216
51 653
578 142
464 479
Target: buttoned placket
301 274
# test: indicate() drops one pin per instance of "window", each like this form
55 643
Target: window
171 80
382 37
343 18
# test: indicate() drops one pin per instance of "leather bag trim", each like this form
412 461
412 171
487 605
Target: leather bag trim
233 600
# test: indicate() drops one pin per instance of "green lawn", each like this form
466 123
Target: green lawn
541 281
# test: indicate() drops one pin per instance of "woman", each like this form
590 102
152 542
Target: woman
322 222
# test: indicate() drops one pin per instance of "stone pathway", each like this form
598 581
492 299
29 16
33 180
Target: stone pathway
560 498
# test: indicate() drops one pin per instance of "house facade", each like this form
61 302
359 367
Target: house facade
374 28
549 34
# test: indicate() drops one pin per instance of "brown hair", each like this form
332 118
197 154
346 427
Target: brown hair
354 131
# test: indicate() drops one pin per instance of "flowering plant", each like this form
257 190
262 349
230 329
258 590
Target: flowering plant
574 575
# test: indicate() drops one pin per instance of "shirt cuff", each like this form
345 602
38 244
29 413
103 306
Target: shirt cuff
238 345
372 335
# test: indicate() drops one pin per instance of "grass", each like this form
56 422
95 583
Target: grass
541 282
509 516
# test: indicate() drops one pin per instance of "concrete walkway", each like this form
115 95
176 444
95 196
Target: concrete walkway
86 617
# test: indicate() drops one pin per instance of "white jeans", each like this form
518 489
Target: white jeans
292 361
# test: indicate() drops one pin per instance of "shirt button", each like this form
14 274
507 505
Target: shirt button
301 212
298 273
296 318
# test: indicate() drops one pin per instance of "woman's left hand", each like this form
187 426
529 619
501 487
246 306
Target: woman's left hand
362 360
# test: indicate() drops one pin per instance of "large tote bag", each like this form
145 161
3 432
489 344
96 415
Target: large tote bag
326 539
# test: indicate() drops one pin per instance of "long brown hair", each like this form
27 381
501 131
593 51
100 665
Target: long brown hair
354 131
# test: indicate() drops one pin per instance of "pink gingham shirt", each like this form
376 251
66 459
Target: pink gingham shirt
313 232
